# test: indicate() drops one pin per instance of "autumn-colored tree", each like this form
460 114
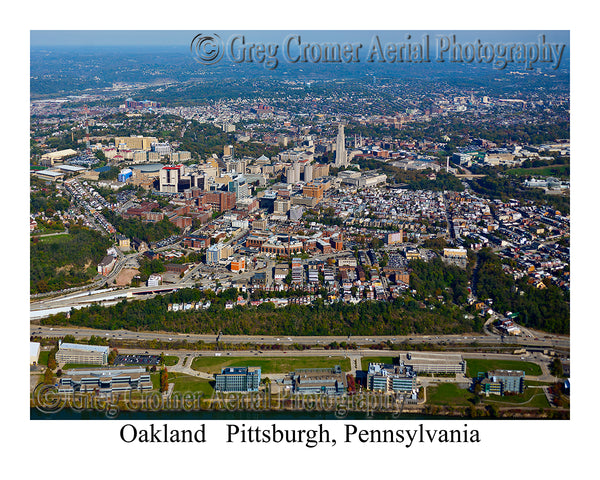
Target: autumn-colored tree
164 380
48 377
112 356
52 359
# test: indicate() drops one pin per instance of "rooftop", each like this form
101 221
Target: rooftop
239 370
87 348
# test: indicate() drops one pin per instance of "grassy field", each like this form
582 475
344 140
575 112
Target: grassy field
185 383
478 365
531 397
534 383
268 364
43 358
54 238
448 394
79 365
170 360
550 171
366 360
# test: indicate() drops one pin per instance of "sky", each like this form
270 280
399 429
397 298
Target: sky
41 38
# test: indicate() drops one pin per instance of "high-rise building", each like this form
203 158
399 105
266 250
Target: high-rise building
313 190
296 212
213 254
281 206
341 159
169 178
223 201
308 172
320 170
290 175
239 187
297 270
297 171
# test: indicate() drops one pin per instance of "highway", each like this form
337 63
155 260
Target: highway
465 340
88 295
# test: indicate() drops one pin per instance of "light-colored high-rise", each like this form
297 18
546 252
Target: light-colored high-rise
290 175
341 158
296 166
308 172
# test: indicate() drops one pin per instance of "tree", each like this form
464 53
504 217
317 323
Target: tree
384 260
493 411
556 368
48 377
52 359
99 154
110 174
164 380
112 356
376 243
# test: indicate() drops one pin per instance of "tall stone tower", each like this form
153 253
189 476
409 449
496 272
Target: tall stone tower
341 158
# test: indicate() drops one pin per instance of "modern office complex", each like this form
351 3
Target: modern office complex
420 362
501 382
238 379
390 378
82 354
105 381
328 381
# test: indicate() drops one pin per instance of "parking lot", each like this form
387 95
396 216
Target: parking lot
137 360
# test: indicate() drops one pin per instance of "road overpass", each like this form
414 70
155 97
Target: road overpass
47 307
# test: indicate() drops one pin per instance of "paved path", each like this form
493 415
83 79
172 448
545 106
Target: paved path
51 234
187 368
355 363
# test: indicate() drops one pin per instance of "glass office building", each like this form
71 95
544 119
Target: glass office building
238 379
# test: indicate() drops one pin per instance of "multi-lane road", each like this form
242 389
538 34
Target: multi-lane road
465 340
